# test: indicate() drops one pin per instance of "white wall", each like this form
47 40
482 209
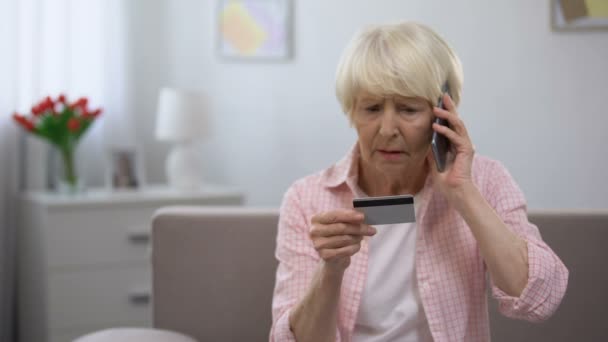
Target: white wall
534 99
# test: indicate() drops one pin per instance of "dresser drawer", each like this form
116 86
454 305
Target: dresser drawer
98 236
94 298
84 258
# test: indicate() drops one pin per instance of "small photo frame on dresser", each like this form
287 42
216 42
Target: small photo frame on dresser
124 169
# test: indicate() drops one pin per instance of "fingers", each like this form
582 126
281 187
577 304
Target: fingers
338 241
451 115
453 119
455 139
324 230
339 215
338 233
331 254
456 132
449 103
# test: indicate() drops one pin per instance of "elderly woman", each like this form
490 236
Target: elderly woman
340 279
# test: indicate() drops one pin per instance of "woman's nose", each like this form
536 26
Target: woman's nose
388 124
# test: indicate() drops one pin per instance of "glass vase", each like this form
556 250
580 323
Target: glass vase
68 180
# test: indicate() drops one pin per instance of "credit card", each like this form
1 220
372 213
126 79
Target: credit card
386 209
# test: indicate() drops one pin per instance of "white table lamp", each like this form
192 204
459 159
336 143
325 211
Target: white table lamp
181 119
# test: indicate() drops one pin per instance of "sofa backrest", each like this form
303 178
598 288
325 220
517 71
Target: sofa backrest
580 239
214 272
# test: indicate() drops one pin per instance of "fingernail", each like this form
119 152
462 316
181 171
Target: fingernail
371 230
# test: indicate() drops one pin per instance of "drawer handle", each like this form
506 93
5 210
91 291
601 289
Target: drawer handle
140 297
138 236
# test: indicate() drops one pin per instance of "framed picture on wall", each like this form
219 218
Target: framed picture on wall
125 169
254 29
579 15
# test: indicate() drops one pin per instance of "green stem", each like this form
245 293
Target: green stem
67 154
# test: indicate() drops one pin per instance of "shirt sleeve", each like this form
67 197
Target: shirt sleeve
547 274
298 261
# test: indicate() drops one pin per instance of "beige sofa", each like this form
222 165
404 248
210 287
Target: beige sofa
214 274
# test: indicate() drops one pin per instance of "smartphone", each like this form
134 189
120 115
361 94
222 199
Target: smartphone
386 209
439 143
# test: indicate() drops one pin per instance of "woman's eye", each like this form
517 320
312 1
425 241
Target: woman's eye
374 108
408 110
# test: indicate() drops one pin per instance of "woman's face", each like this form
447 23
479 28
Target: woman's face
394 132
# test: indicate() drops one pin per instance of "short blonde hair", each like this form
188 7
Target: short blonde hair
406 59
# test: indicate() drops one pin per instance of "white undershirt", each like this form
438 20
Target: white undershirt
390 308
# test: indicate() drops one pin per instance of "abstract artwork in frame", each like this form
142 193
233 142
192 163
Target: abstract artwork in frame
579 15
255 29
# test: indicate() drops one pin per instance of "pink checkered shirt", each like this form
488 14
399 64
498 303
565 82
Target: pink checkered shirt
450 270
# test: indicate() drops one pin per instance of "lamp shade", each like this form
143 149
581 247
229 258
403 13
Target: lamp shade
181 116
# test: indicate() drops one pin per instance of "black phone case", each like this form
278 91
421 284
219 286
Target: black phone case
439 143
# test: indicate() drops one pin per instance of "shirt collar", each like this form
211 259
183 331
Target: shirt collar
344 169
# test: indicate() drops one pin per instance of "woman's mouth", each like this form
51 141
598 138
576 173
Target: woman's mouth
391 155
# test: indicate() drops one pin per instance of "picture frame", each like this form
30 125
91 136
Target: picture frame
579 15
254 30
124 169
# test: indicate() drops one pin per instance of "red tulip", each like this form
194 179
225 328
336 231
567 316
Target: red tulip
79 117
23 121
92 115
37 110
51 105
81 103
47 103
29 125
43 106
73 125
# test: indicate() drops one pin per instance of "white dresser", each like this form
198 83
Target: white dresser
84 259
